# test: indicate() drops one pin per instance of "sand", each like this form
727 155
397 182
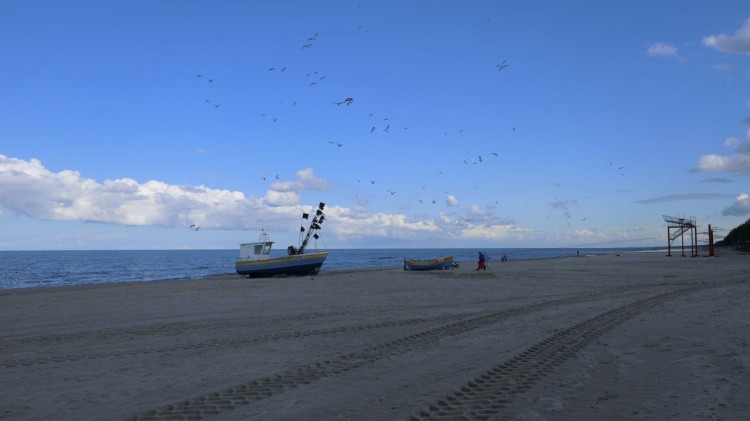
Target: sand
629 336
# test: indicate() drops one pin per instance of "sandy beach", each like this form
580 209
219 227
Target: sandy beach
639 336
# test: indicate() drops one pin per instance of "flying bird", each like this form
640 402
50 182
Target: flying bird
346 101
502 65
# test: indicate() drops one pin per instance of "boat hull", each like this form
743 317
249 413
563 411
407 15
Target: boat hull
296 265
442 263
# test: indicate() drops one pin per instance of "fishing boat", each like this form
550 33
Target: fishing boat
255 260
441 263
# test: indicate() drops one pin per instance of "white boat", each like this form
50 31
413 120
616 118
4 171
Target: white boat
255 260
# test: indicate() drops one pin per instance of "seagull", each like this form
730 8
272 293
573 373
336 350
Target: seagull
307 46
372 129
210 81
502 65
387 128
314 37
495 153
199 76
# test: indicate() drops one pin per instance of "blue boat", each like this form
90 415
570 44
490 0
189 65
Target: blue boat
441 263
255 260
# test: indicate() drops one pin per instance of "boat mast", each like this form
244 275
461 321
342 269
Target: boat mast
313 228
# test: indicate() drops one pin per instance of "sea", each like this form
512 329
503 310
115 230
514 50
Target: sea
35 269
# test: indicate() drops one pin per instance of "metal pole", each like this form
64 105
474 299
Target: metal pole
669 243
682 239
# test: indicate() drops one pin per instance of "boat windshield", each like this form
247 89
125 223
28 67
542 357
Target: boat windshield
262 248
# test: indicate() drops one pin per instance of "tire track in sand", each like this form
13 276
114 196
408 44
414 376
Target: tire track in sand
551 352
487 395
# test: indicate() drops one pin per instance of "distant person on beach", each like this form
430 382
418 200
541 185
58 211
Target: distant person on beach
481 265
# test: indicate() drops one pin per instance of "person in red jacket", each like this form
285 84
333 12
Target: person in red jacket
481 265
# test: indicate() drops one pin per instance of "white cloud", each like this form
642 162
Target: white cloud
741 206
662 50
28 188
451 200
739 162
307 180
281 198
739 43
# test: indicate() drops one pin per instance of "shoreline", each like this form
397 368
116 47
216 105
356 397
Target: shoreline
663 337
229 275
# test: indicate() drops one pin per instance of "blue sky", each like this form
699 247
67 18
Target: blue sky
458 124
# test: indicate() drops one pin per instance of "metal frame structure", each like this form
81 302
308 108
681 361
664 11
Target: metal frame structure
681 225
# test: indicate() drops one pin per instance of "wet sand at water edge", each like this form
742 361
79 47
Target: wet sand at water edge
639 336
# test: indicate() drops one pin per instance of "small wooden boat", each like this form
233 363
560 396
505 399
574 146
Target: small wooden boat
255 260
434 264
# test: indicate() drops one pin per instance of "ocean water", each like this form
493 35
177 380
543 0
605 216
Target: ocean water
31 269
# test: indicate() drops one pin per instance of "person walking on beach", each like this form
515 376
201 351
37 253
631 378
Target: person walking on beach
481 265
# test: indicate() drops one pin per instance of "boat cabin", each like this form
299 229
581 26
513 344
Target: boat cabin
256 251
